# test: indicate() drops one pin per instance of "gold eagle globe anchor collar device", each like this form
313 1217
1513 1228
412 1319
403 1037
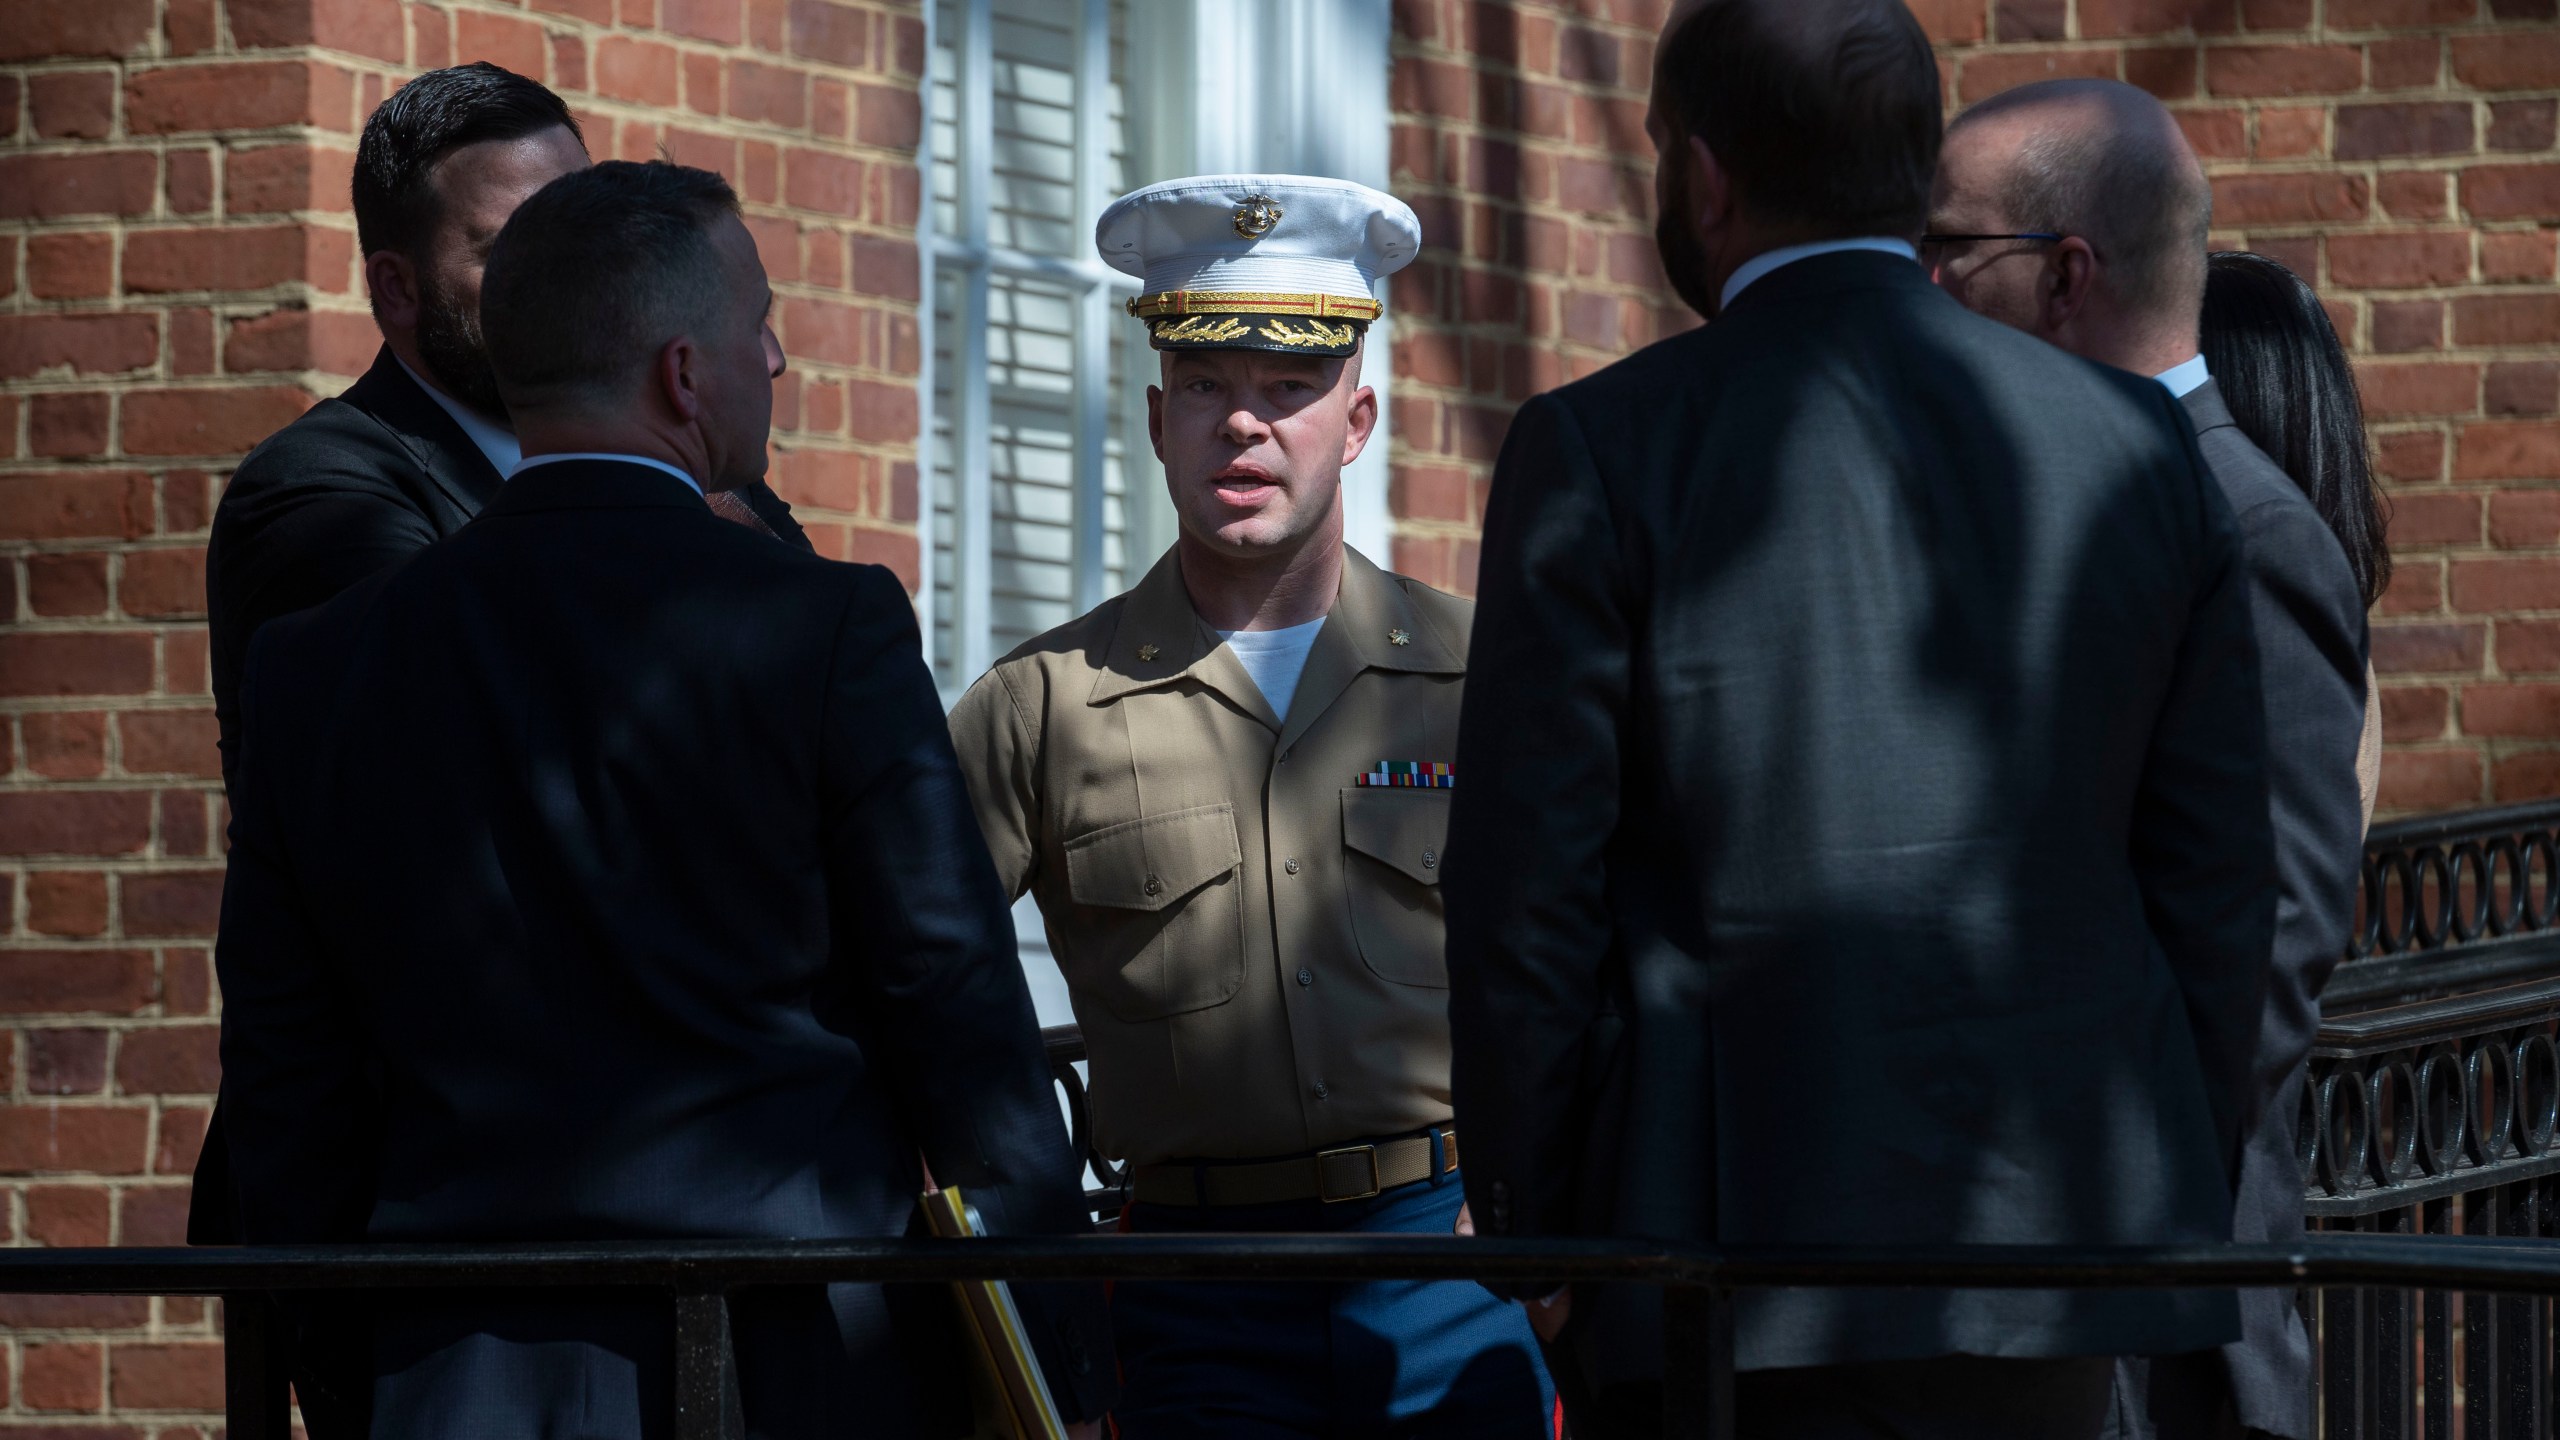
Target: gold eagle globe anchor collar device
1286 263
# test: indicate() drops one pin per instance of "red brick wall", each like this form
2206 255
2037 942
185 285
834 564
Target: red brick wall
2399 153
1519 140
178 277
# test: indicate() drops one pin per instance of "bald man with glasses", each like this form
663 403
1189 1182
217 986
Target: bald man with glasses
2074 210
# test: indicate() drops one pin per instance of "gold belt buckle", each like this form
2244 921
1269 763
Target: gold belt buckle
1324 1174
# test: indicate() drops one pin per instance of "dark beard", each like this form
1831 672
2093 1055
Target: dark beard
456 355
1684 261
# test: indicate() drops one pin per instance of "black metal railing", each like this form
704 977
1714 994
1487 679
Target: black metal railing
1110 1190
2436 1072
2432 1108
1698 1285
2431 1162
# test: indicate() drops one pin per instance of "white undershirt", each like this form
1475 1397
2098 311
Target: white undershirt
1761 264
495 440
1275 659
2183 380
690 483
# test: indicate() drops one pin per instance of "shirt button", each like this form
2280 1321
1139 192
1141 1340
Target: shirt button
1154 886
1430 859
1306 976
1321 1091
1290 864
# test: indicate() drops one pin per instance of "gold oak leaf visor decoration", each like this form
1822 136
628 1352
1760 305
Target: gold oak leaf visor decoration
1289 324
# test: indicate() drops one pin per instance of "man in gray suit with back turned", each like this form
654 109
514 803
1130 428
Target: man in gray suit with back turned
2081 217
1861 830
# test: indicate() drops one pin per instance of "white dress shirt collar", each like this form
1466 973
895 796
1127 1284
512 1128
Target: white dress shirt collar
1761 264
690 483
2185 379
495 441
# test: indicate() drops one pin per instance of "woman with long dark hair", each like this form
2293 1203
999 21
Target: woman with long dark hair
2278 363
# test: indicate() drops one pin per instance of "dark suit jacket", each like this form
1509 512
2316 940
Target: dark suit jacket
357 484
1862 830
605 871
2311 661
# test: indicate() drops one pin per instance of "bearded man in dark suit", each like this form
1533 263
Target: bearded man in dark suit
1861 831
410 452
2083 219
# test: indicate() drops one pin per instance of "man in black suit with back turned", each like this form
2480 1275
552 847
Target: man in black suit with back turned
2098 217
605 871
1862 784
403 458
410 452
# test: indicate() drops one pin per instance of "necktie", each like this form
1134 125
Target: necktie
732 507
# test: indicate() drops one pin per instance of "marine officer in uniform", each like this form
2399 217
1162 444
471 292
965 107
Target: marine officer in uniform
1228 790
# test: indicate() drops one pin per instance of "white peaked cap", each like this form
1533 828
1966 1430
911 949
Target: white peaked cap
1282 262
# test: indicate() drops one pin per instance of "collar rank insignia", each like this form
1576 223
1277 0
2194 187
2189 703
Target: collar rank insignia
1412 774
1399 637
1146 652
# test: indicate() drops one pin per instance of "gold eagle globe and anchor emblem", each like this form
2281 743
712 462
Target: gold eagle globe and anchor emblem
1256 215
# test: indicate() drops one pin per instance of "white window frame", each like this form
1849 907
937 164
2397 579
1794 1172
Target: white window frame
1291 86
1097 287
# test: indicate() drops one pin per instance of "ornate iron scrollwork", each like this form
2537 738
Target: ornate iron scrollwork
2437 1070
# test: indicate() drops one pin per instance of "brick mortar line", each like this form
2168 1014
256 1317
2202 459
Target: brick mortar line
322 382
338 222
114 547
1598 24
2444 32
1527 140
53 625
91 1019
1483 68
2214 165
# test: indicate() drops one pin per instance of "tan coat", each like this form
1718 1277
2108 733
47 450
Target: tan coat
1252 939
2369 749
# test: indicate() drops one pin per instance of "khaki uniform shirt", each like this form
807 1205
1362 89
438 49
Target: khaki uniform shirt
1252 938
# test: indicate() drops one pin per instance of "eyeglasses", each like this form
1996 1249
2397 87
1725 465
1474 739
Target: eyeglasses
1934 246
1961 239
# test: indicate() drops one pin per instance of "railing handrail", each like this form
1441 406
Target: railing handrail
700 1266
2442 825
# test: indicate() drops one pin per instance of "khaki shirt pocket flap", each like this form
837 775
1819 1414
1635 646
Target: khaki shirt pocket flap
1406 830
1151 863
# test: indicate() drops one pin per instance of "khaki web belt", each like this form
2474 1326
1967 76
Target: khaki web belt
1346 1172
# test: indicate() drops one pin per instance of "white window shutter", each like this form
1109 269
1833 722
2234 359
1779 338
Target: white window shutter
1029 522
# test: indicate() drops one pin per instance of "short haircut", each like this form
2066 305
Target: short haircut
1824 112
596 273
427 119
2129 188
2277 361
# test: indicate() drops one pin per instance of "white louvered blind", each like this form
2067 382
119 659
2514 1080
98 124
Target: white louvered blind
1029 407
